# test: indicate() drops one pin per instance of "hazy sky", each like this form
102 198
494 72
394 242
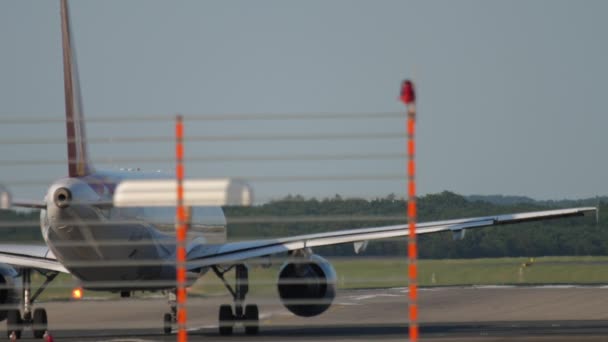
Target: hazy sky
511 94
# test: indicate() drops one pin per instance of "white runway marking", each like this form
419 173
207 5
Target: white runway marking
211 326
262 316
493 286
558 286
348 303
539 287
126 340
374 296
275 313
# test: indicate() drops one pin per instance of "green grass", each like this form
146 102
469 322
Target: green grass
497 271
505 271
365 272
354 273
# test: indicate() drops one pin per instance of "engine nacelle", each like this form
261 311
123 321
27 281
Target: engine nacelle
307 286
9 294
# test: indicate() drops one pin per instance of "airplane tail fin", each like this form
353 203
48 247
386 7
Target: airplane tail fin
78 162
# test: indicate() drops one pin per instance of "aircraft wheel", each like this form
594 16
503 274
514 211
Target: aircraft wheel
40 323
14 323
226 320
167 323
252 320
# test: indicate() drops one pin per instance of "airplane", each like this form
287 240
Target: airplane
130 249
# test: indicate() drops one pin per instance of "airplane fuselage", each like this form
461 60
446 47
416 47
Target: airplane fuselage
111 248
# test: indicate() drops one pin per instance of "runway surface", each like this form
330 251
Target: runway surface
447 314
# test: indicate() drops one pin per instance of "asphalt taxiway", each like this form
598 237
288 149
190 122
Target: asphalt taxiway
561 313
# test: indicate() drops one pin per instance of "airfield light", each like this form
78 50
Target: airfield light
77 293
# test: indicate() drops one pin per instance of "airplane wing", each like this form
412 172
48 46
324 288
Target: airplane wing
32 204
30 256
229 253
40 257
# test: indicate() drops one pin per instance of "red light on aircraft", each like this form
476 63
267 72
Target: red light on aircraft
408 95
77 293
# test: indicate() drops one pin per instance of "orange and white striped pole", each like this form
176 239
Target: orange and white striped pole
182 228
408 97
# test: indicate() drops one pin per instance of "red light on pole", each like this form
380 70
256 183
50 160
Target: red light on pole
408 94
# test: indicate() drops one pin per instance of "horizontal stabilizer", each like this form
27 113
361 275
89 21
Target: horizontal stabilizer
197 192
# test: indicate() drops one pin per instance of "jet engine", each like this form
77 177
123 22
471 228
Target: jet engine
9 295
307 286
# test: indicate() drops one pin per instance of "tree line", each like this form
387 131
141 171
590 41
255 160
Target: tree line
572 236
295 215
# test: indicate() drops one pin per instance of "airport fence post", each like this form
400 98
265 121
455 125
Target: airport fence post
408 97
182 227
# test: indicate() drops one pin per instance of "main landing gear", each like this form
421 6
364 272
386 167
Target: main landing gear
168 322
249 315
37 319
170 318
